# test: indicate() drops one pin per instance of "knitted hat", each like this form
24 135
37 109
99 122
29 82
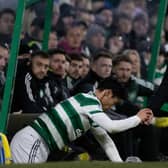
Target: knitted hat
93 30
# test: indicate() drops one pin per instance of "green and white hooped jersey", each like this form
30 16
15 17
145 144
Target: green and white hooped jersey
68 120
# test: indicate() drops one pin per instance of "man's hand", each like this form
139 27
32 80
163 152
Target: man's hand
146 115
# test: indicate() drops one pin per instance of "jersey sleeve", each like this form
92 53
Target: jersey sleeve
113 126
106 143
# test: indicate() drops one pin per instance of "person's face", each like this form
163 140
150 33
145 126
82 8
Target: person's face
98 41
108 16
56 15
87 17
127 8
75 37
85 67
135 63
53 41
4 55
103 67
108 100
116 44
68 20
125 25
58 64
123 71
75 69
6 23
40 66
140 27
160 60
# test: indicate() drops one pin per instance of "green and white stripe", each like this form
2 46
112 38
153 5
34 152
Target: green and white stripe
68 120
55 134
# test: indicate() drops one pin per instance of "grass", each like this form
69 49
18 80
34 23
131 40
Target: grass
92 164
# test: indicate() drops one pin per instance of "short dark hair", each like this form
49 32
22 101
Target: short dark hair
4 45
38 22
102 53
53 51
7 11
117 88
121 58
40 53
75 56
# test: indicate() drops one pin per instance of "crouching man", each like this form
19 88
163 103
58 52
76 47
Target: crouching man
72 118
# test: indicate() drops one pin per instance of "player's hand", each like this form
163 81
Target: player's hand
146 115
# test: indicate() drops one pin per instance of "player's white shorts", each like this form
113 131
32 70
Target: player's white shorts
28 147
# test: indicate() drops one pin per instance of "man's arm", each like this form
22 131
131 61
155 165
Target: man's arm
144 115
106 143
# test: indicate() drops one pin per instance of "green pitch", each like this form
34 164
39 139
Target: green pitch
92 164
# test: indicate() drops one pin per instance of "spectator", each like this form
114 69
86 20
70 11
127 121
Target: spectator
104 17
127 7
74 71
101 67
7 19
95 38
4 55
86 15
55 16
133 55
67 15
124 28
115 43
139 35
86 65
72 42
32 93
122 69
53 40
161 66
56 74
34 37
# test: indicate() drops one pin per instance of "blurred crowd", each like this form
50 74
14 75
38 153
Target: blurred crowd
89 41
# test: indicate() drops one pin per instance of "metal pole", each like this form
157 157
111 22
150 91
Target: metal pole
157 39
11 66
47 26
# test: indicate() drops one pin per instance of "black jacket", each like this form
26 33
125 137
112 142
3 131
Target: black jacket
31 95
58 89
87 83
135 87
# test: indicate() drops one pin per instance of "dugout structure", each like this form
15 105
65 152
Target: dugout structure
22 5
7 96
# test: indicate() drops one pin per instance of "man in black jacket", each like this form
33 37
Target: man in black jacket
101 66
56 75
32 93
122 69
